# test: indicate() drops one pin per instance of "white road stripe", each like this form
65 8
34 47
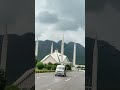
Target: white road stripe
67 79
48 89
42 77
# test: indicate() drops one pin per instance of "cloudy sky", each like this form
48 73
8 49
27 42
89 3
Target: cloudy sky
56 17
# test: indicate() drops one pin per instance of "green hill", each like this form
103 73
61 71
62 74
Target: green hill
45 48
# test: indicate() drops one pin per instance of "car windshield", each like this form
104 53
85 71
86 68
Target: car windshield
62 68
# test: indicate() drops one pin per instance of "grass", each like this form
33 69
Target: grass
46 70
43 70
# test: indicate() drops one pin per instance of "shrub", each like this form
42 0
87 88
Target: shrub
40 65
49 67
53 67
78 67
45 66
56 64
50 63
68 67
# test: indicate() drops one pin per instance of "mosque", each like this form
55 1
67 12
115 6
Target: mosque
56 57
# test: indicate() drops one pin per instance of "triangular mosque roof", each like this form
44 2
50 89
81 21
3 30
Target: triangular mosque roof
57 56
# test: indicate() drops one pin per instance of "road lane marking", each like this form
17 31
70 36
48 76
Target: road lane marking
42 77
38 77
48 89
67 79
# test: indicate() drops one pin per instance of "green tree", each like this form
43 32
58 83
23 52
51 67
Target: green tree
45 65
78 67
49 67
53 67
50 63
40 65
68 67
56 64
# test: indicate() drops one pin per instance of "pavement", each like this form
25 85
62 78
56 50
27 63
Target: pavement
74 80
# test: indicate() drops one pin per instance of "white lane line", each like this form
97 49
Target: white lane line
67 79
48 89
38 77
42 77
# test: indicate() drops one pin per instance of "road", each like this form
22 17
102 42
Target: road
48 81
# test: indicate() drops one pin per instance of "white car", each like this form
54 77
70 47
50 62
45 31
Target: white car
60 70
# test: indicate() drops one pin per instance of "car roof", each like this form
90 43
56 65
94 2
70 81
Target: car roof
60 66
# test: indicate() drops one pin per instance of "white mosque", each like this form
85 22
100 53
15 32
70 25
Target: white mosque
56 57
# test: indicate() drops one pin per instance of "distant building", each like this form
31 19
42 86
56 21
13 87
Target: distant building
55 58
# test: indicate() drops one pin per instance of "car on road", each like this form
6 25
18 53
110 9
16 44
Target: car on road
60 70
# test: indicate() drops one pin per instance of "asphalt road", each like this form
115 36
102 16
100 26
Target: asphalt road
48 81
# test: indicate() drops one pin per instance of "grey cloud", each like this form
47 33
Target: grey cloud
67 25
70 20
69 8
47 18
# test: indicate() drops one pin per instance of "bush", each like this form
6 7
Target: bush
56 64
43 71
68 67
53 67
50 63
40 65
45 66
78 67
49 67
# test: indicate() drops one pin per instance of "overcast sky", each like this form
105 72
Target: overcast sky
56 17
